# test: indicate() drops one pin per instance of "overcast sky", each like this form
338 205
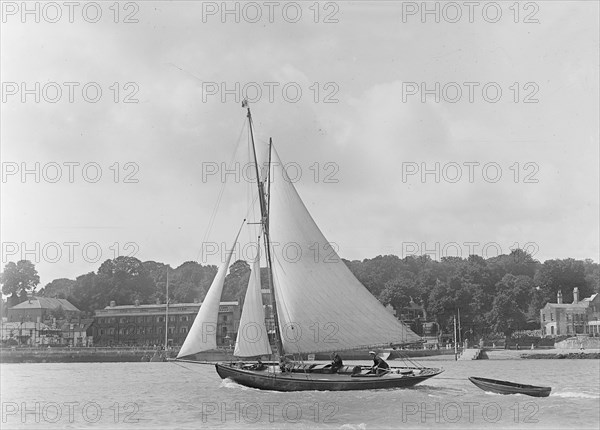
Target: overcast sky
528 156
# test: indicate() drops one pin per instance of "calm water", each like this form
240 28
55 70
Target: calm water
168 395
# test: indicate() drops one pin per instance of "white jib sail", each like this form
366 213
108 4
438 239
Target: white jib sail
321 305
203 334
252 339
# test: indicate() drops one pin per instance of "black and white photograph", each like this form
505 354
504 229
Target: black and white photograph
300 214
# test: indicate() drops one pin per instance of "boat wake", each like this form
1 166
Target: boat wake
439 391
571 394
231 384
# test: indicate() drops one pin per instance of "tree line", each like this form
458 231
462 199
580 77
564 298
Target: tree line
498 294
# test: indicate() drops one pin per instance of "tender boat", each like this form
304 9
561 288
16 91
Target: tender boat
505 387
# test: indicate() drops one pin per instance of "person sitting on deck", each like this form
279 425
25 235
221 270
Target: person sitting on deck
379 364
259 365
336 362
284 363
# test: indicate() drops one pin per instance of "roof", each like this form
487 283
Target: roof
162 305
582 304
46 303
141 310
567 305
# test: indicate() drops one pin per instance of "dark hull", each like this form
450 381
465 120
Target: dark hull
505 387
277 381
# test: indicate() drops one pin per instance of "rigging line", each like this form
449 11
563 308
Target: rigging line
220 196
186 368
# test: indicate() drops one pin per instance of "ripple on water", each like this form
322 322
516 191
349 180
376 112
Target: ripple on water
170 396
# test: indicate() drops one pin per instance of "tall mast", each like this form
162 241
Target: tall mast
264 212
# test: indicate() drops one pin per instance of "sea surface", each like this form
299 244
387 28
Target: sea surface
186 396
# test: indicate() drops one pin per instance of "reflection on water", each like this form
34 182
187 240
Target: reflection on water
167 395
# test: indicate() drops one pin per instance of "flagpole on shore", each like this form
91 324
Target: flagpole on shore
455 339
167 312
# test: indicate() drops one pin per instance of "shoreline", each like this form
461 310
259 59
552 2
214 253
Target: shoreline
527 354
123 355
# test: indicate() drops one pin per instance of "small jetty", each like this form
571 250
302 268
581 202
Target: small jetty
470 354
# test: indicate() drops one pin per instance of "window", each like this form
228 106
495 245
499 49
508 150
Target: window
224 317
184 330
149 330
543 317
551 317
122 320
172 319
184 318
101 332
160 319
111 331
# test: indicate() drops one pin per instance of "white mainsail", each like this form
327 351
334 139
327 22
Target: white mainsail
252 339
203 334
321 305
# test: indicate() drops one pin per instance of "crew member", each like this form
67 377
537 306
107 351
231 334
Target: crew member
336 362
379 364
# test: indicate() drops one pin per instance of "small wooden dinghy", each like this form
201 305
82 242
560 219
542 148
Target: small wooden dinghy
505 387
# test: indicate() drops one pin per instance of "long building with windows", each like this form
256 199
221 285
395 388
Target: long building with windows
582 317
144 325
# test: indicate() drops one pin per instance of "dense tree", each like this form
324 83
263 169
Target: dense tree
501 294
592 275
506 315
191 281
521 288
442 303
236 281
563 275
374 273
518 262
19 279
59 288
399 292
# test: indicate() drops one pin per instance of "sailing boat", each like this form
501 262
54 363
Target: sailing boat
318 305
